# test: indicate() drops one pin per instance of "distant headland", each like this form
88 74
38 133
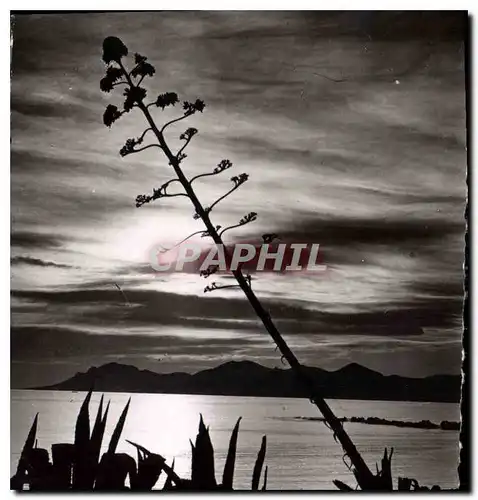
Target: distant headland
246 378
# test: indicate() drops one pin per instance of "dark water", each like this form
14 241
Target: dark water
301 454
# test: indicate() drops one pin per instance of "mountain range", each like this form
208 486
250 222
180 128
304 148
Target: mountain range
246 378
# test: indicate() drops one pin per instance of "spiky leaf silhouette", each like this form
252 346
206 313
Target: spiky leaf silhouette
202 466
98 419
82 440
105 416
118 429
342 486
256 475
98 433
264 486
168 484
28 447
386 472
140 448
228 474
82 427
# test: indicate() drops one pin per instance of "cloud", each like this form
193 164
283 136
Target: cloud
32 239
65 190
44 109
32 261
387 26
402 245
409 359
103 309
380 231
42 342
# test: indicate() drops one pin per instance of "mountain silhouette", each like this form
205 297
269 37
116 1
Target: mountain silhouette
246 378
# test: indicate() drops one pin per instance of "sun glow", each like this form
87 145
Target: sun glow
146 424
134 242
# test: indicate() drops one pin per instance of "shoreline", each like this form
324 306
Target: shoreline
444 425
79 391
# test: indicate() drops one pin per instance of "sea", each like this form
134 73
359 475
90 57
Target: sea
301 454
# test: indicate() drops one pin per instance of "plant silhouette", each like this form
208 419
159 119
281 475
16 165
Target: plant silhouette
77 467
114 52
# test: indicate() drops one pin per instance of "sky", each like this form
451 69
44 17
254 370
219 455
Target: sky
351 126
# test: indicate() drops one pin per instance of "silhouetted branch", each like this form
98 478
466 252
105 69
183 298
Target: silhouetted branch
179 153
141 137
180 157
172 121
147 147
230 227
238 181
214 286
221 166
138 59
114 50
251 217
166 184
158 193
187 136
189 109
128 148
201 232
125 151
141 79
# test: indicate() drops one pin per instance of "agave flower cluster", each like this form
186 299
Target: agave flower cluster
114 50
222 165
188 134
167 99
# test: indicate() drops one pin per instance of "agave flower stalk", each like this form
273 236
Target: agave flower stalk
113 52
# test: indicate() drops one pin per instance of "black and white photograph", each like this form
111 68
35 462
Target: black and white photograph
237 250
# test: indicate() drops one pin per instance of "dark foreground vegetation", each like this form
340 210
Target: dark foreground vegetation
77 466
